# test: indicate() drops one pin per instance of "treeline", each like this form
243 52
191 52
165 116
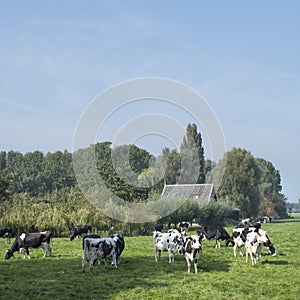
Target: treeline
250 184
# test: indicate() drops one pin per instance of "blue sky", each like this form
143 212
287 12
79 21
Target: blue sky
244 58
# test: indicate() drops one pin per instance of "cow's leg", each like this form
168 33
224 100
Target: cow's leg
240 251
45 250
155 254
246 255
158 255
188 264
83 264
171 255
218 243
91 264
196 265
253 258
114 260
27 252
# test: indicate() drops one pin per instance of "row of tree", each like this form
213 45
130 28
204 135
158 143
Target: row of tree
250 184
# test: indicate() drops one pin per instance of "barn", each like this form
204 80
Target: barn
205 193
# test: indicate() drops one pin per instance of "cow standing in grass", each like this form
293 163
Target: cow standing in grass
239 237
191 248
120 245
99 248
30 240
168 241
254 244
217 233
79 230
184 227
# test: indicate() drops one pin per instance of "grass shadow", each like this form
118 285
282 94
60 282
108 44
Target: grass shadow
275 262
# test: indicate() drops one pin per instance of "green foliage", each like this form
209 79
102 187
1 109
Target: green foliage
188 211
240 184
216 213
171 159
128 174
272 200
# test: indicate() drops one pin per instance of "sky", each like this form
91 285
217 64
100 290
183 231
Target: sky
56 57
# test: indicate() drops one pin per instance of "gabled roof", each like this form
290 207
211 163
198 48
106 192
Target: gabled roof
199 191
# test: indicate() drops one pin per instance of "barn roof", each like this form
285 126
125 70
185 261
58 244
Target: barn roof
199 191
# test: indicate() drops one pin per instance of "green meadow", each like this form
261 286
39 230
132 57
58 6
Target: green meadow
220 276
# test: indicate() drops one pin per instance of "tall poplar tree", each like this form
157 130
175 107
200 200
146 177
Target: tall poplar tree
192 157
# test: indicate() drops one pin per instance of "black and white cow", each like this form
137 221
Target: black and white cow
120 245
168 241
6 231
79 230
184 227
254 245
191 248
31 240
239 237
98 248
246 223
218 233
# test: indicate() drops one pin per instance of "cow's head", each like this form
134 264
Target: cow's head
72 237
8 254
272 249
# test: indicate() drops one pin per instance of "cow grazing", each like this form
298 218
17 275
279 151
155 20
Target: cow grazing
184 227
168 241
214 232
79 230
254 244
31 240
239 237
98 248
191 249
6 231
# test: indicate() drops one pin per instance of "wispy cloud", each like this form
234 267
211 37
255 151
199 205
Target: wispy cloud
17 104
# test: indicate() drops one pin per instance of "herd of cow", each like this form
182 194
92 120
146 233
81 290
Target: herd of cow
245 234
250 235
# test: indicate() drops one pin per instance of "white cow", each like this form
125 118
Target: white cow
168 241
239 237
254 244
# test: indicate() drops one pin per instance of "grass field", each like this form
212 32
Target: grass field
220 276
